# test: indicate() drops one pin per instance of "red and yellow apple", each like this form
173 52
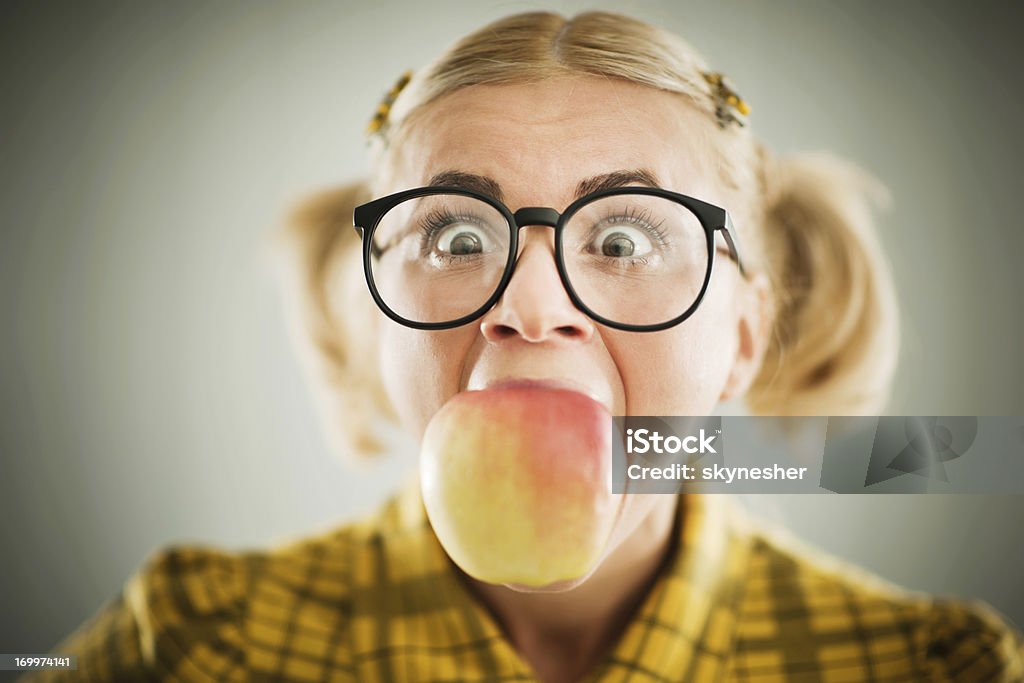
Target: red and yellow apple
517 485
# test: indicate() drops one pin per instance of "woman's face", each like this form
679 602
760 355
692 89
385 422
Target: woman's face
539 142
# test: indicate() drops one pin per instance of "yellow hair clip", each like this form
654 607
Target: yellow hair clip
729 106
380 117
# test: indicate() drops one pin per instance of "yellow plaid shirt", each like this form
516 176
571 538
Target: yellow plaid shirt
379 601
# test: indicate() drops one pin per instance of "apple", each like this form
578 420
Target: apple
516 483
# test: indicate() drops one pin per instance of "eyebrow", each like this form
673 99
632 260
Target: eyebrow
468 181
607 181
491 187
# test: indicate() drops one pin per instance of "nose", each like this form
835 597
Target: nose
535 306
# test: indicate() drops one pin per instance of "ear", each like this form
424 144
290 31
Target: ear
754 315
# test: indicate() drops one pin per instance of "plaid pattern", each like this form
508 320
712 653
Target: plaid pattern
378 601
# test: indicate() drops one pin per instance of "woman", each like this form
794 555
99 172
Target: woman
619 137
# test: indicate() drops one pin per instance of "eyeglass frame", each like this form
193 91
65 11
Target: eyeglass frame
367 217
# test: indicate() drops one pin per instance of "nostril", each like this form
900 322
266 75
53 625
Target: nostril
503 331
497 332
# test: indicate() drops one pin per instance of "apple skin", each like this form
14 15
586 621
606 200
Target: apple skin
516 483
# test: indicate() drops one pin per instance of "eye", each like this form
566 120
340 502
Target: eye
462 239
621 241
448 234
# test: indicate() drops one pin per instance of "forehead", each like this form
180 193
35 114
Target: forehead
538 140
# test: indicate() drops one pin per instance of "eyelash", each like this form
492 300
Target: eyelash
436 221
639 218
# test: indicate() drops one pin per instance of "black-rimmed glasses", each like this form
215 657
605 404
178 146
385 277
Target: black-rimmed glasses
632 258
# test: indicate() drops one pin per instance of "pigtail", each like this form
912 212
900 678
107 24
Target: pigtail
836 335
331 315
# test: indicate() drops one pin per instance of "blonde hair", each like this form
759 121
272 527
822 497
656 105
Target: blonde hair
807 225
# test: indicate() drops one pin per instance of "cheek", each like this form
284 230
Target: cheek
683 370
421 370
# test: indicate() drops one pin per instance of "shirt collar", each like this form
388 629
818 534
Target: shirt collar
684 627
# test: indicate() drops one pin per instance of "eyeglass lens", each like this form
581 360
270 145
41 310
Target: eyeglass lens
631 258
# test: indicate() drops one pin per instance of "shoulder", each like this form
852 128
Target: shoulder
177 617
805 612
201 613
970 641
285 612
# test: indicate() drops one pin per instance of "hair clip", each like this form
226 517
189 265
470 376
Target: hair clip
380 117
729 106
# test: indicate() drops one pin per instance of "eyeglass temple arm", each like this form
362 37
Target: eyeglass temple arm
734 250
375 251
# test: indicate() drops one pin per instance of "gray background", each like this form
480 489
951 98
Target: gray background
148 388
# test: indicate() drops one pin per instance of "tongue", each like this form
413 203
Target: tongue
516 481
